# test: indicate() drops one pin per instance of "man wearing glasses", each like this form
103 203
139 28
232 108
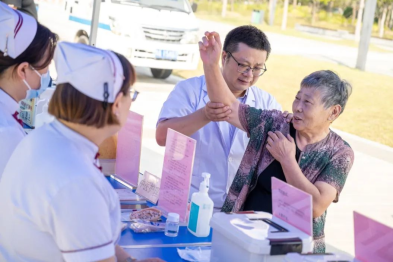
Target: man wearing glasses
188 110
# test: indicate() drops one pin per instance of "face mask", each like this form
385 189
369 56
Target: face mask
45 80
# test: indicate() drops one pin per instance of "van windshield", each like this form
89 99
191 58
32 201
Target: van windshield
173 5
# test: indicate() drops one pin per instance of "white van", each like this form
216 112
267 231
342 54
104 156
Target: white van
159 34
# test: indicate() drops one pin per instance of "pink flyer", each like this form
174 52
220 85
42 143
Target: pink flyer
292 205
176 174
373 240
129 146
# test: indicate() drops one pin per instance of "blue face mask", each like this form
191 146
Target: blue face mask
45 81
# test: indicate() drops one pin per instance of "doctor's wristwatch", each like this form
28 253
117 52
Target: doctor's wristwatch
130 259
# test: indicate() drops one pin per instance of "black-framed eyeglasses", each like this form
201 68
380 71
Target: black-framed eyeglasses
134 94
244 69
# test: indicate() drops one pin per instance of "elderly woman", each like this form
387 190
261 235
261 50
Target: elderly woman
304 153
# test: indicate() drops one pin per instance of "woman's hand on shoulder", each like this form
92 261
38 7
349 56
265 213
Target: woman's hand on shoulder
280 147
288 116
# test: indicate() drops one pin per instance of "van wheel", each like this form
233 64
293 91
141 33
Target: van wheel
82 39
161 73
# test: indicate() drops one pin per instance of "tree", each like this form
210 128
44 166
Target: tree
390 24
354 8
315 9
285 15
272 10
330 8
382 23
359 22
224 8
383 6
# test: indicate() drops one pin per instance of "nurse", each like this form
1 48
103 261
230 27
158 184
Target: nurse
57 205
26 50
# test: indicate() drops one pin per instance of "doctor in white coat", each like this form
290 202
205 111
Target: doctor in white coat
57 205
220 146
26 50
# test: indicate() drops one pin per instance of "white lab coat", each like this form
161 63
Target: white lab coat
213 139
55 204
11 132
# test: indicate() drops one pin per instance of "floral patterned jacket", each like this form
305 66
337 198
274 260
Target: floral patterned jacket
329 161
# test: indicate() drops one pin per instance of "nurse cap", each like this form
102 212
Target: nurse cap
94 72
17 31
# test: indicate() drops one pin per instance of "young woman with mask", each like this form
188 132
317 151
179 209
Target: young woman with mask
26 50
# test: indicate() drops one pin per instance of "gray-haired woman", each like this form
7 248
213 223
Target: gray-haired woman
304 153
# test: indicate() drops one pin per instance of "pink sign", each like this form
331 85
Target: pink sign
129 145
176 173
373 240
292 205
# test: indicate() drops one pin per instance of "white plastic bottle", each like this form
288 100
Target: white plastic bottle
201 210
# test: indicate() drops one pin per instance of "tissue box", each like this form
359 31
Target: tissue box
258 237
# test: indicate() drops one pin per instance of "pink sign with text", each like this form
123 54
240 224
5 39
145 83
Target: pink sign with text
176 174
292 205
129 146
373 240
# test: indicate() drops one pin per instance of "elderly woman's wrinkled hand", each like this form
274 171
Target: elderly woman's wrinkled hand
210 48
288 116
280 147
217 112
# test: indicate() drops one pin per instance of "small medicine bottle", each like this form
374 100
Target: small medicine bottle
172 225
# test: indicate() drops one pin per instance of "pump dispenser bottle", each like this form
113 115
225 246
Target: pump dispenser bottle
201 210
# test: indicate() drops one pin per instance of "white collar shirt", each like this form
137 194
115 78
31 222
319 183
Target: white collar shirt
11 132
217 151
56 205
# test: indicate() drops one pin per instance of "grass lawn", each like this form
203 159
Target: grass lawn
369 112
237 20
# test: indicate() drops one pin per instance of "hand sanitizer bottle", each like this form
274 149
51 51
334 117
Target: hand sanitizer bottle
201 210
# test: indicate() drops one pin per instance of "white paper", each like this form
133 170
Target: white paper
195 254
128 195
125 216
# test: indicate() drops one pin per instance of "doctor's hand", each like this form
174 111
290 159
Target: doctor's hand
210 48
217 112
288 116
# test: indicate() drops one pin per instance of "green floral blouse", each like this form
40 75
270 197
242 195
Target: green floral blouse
329 161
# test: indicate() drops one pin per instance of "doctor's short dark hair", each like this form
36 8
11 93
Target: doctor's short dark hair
249 35
69 104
